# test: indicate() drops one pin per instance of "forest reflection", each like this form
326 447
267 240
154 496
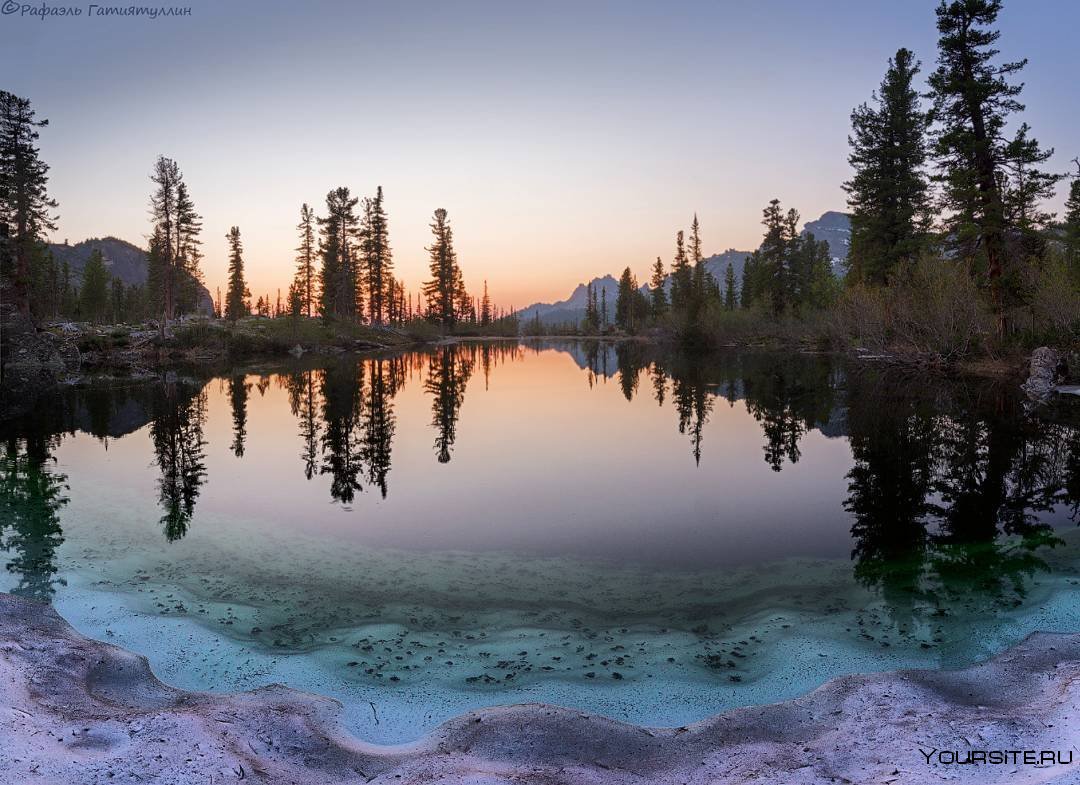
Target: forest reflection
952 486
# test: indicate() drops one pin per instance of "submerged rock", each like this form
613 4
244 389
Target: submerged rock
81 711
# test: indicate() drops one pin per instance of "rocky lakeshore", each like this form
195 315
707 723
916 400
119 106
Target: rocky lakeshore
81 711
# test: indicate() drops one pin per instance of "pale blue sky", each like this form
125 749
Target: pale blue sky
565 139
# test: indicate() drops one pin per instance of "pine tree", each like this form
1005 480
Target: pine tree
1072 227
681 276
1025 187
338 277
603 308
444 292
94 294
68 296
659 296
164 210
694 248
188 254
304 281
624 301
889 192
729 287
592 311
295 302
154 293
237 296
973 100
378 263
117 302
775 246
485 308
26 211
751 288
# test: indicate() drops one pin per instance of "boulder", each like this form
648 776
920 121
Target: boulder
1046 369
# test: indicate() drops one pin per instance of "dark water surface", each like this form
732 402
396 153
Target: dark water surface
652 535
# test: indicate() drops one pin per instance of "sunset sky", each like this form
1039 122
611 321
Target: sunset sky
566 140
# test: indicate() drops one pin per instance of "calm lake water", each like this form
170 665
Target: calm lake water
650 535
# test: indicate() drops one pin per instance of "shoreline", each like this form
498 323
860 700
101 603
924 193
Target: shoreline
84 711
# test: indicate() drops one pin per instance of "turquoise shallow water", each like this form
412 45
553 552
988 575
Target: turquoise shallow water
762 526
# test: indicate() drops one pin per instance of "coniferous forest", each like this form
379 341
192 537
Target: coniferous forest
952 252
307 473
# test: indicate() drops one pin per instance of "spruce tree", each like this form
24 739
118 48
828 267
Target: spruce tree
94 293
485 308
751 288
68 296
26 211
774 256
659 296
729 288
592 310
444 291
338 278
304 282
117 302
889 191
694 247
378 263
973 101
237 296
1024 189
1072 228
700 282
625 317
188 254
176 229
681 276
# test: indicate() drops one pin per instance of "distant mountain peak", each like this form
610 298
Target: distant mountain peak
124 260
833 227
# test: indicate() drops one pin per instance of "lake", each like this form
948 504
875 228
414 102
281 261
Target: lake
653 535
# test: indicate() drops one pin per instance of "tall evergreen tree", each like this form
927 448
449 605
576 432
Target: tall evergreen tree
175 225
592 310
94 294
729 288
889 191
26 210
68 296
485 308
659 296
445 290
338 278
117 302
681 276
973 100
1072 227
1023 190
237 295
625 318
774 251
188 274
304 281
378 263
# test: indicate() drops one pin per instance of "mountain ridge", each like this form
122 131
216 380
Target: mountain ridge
833 227
123 260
